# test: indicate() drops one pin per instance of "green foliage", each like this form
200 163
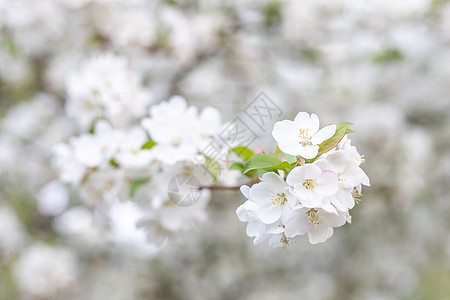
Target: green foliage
243 152
388 56
213 167
237 166
272 13
149 144
266 162
341 130
135 185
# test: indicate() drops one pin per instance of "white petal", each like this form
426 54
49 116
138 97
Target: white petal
255 229
333 220
284 132
343 200
269 214
305 121
274 181
307 152
323 134
327 183
320 234
297 224
245 189
250 205
295 176
261 193
292 148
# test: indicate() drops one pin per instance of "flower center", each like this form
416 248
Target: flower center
309 183
340 180
279 199
303 134
313 216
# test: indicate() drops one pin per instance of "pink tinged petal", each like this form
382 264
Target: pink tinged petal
319 234
285 133
323 134
297 224
245 189
269 214
327 184
308 152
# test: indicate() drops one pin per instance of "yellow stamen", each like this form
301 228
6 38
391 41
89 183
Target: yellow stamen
279 199
313 215
309 183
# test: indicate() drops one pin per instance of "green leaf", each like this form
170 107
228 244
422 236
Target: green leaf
237 166
289 158
243 152
331 143
114 163
265 161
135 185
213 167
149 144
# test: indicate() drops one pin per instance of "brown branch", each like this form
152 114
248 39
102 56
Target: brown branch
224 187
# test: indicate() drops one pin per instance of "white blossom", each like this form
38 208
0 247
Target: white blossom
301 136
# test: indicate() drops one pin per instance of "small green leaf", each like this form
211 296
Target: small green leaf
135 185
114 163
331 143
243 152
265 161
213 167
149 144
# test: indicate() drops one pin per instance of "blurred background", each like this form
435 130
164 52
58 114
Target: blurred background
382 65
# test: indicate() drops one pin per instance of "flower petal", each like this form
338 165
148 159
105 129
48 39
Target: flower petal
307 152
297 224
327 183
323 134
305 121
269 214
285 132
319 234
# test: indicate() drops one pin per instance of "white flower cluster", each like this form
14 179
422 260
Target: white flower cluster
105 87
130 155
314 197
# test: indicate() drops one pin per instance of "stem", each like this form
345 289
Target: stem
219 187
224 187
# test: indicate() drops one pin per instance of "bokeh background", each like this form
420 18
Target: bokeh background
383 65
